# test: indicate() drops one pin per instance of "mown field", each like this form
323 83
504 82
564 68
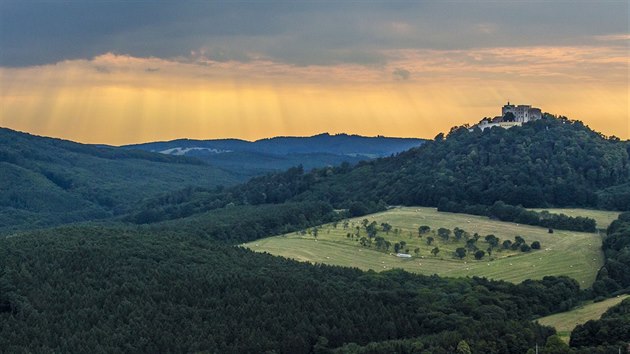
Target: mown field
575 254
565 322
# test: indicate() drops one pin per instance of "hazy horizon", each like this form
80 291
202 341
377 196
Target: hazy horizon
122 73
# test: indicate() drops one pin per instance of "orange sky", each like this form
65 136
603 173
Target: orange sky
120 99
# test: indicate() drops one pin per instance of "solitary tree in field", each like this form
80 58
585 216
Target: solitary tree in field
386 227
371 229
460 252
379 242
471 244
479 254
458 233
423 230
365 222
535 245
492 240
416 251
429 240
444 233
435 251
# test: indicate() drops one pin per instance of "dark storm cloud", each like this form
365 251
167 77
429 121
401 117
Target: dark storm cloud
301 33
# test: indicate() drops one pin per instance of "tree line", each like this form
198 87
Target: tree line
504 212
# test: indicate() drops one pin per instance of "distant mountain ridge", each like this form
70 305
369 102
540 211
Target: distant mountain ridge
343 144
250 158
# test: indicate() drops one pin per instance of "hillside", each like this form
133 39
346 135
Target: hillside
574 254
177 284
565 322
122 290
280 153
552 162
549 162
47 181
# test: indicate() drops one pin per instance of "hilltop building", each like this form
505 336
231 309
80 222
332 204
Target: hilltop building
522 113
511 116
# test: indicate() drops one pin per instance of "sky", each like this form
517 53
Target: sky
121 72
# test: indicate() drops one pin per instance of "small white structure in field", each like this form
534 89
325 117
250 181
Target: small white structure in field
403 255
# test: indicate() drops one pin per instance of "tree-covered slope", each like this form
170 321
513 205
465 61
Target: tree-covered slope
614 275
611 330
549 162
94 289
46 181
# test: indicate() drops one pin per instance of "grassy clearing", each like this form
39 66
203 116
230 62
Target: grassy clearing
565 322
602 217
575 254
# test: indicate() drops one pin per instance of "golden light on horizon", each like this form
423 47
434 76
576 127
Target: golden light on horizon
116 99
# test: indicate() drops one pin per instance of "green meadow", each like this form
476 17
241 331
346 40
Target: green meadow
574 254
565 322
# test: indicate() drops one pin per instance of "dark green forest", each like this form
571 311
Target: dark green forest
79 288
47 181
147 273
613 329
552 162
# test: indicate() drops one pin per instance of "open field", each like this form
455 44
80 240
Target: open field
575 254
565 322
602 217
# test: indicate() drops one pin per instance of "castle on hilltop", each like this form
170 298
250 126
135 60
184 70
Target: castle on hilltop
511 116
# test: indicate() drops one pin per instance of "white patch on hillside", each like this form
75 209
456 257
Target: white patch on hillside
184 151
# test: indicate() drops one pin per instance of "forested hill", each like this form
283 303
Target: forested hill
280 153
47 181
341 144
549 162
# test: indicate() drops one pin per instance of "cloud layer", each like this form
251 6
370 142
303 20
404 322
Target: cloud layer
122 72
294 32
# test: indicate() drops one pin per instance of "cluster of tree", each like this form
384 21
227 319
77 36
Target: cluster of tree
86 289
611 330
504 212
471 242
614 277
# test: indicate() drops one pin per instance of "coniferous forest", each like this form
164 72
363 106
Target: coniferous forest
163 272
